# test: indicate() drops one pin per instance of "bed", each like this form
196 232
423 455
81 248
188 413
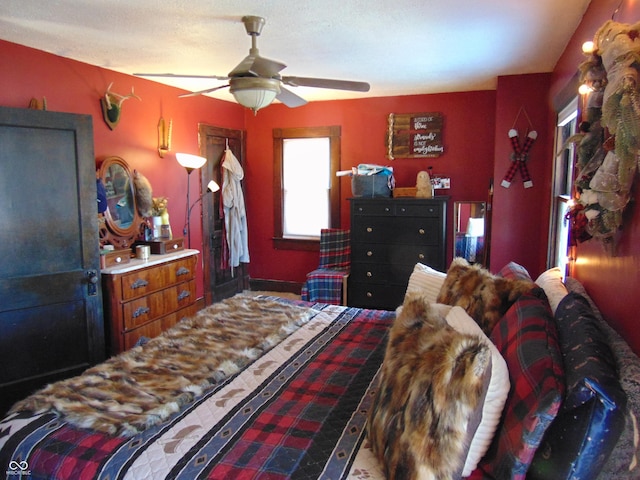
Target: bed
296 411
272 388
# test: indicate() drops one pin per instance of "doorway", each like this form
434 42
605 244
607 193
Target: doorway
220 280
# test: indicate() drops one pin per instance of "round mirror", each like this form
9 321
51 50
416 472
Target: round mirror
121 216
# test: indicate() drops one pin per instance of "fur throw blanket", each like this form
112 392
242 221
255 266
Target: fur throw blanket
145 385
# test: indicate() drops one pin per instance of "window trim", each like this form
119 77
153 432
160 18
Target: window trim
279 135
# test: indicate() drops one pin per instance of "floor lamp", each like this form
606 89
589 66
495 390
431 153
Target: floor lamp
190 163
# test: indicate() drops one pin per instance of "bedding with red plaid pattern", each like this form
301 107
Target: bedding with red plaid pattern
296 412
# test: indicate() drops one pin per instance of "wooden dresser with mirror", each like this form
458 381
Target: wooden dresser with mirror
142 298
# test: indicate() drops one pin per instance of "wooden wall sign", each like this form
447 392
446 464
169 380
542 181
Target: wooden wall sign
415 135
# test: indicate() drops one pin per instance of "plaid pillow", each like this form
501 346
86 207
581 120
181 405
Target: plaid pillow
527 338
514 271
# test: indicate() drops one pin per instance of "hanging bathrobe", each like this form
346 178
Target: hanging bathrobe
235 215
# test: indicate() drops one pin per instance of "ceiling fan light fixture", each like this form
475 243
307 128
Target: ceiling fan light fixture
254 92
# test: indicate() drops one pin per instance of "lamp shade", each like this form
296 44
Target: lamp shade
212 186
254 92
189 161
475 227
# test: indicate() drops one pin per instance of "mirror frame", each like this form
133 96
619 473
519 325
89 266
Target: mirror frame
110 232
477 206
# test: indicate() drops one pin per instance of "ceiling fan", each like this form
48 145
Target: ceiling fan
256 81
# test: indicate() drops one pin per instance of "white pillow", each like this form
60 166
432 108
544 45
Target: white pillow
496 394
551 282
426 280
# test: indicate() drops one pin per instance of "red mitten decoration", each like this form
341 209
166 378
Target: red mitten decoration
519 158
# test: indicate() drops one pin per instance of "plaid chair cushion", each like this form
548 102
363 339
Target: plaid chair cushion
335 248
324 286
527 338
325 283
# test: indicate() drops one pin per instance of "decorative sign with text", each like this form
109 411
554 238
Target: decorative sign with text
415 135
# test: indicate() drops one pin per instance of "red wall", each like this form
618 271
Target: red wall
468 159
521 215
475 140
76 87
611 279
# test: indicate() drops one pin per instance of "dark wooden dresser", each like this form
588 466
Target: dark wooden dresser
388 237
144 298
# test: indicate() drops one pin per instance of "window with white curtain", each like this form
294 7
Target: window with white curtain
306 189
306 186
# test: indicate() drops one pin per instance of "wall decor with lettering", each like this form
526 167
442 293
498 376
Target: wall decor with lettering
415 135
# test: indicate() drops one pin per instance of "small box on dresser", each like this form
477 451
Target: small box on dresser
146 297
388 237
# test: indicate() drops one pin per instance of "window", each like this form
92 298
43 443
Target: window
562 186
306 189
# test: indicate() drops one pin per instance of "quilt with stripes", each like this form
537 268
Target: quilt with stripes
296 412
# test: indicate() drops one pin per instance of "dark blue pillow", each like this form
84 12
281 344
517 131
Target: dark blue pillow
579 441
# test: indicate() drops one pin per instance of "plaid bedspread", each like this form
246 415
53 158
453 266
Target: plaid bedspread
297 412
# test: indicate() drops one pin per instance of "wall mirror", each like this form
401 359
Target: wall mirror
469 231
121 223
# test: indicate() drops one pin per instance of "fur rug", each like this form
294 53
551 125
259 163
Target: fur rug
145 385
433 379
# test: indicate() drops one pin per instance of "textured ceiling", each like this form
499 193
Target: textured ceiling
401 47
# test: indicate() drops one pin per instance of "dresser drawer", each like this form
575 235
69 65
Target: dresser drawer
146 309
406 230
372 208
385 297
397 254
412 209
155 328
142 282
384 273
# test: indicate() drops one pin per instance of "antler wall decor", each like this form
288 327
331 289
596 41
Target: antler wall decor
111 104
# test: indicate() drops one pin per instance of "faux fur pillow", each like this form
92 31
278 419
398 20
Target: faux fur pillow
485 297
433 383
497 392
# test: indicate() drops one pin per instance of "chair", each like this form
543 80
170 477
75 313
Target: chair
328 283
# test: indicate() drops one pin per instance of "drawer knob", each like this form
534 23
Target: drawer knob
387 209
369 294
369 229
403 209
139 283
182 271
175 246
369 253
140 311
421 256
184 294
421 231
118 259
369 274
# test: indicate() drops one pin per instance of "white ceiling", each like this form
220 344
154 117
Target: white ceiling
400 47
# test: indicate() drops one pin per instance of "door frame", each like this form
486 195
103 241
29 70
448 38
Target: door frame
206 174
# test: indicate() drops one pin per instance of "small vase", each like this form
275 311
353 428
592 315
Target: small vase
157 227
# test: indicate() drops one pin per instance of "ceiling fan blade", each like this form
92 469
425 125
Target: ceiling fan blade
202 92
326 83
174 75
257 66
290 99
